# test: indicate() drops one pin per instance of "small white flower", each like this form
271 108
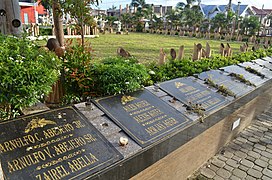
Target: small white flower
126 82
126 60
11 58
151 72
53 59
40 56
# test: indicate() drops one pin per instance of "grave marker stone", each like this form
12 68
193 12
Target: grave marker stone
262 70
55 144
229 83
143 116
269 59
252 78
189 92
181 52
263 63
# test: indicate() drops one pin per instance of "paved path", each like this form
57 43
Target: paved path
249 156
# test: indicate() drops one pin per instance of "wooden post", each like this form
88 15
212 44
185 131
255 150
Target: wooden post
197 54
228 51
181 52
162 57
222 49
13 17
208 50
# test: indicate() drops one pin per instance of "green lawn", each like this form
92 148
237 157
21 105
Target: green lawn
146 47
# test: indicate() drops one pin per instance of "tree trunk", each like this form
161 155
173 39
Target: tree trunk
58 22
13 21
82 34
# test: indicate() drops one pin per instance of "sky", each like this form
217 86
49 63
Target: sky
258 3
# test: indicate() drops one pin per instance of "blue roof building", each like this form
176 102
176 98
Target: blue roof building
210 11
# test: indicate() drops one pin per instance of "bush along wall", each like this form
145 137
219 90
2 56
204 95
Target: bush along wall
27 74
187 67
114 75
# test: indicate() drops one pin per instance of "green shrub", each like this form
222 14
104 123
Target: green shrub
27 74
187 67
111 76
78 74
120 76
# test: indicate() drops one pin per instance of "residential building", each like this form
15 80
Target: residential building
210 11
32 12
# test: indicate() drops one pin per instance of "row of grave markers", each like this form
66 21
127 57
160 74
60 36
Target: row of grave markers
64 144
200 52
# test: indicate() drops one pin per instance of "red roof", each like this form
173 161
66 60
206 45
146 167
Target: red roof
259 11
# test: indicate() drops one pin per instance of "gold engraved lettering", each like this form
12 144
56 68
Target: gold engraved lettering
126 99
69 145
56 173
81 162
19 142
170 122
29 160
89 138
37 123
178 84
151 130
55 131
154 120
78 124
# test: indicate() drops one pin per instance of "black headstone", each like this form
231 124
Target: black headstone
264 71
189 91
252 78
263 63
222 79
143 116
56 144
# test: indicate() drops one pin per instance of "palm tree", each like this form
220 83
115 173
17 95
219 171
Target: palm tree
173 17
140 4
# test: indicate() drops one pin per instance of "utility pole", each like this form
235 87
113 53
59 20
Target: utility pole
238 15
229 6
10 17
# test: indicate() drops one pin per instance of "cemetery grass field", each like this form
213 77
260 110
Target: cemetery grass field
146 47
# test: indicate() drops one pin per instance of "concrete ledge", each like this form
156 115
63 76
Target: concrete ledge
178 156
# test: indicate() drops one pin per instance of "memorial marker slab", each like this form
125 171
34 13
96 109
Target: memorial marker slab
266 72
254 79
267 58
222 79
55 144
263 63
143 116
189 91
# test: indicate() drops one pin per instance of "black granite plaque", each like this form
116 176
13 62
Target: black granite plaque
222 79
56 144
264 71
143 116
189 91
263 63
252 78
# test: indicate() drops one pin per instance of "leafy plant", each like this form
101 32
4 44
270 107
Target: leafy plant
242 79
251 70
221 88
118 75
27 74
